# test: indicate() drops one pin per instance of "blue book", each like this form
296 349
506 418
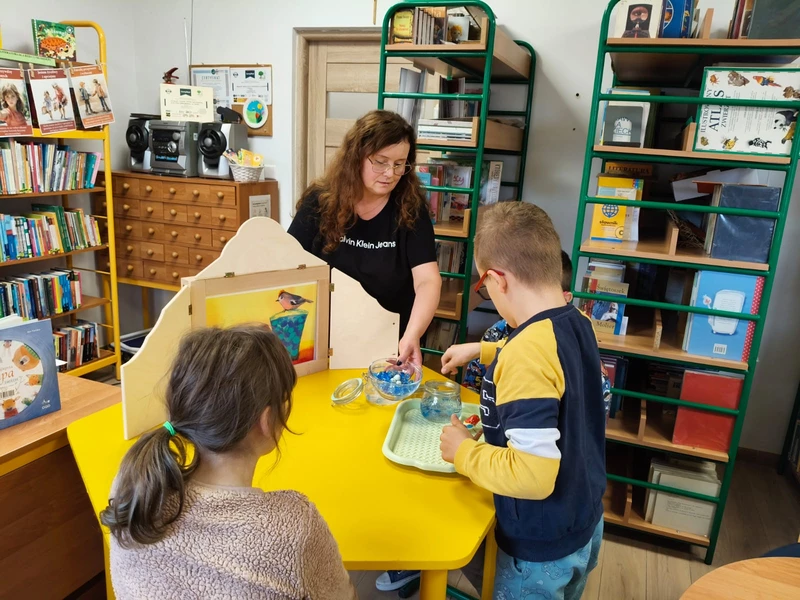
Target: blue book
29 383
722 337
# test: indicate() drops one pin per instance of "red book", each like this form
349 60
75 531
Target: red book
700 428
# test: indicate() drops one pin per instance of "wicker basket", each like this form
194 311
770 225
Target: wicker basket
244 174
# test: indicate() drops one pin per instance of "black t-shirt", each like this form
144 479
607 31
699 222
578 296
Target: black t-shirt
376 253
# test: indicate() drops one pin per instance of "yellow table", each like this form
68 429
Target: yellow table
383 515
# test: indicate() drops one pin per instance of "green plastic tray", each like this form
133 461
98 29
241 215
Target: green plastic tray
414 441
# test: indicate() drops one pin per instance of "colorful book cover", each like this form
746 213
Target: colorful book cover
635 19
54 40
609 220
28 383
744 129
91 94
50 90
607 316
15 109
677 18
723 337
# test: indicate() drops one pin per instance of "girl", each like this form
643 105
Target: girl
368 217
186 521
61 100
47 104
13 111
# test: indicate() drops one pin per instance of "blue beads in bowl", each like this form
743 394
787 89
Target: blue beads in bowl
393 381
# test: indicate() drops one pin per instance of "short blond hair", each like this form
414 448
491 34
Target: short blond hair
519 237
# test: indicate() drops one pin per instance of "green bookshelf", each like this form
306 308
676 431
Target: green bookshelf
675 63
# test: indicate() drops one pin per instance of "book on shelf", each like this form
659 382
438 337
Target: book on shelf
54 109
457 171
634 19
75 230
723 337
744 129
54 40
76 345
631 170
630 124
432 174
445 129
15 107
607 316
414 82
617 369
450 256
41 167
664 380
677 19
29 387
90 95
420 26
42 295
611 222
39 234
700 428
27 59
724 233
775 19
402 31
440 336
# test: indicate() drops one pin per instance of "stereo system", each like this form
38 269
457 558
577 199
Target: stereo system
212 141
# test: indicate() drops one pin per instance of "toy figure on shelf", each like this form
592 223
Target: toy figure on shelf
170 77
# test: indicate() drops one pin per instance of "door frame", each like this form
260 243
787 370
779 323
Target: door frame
303 37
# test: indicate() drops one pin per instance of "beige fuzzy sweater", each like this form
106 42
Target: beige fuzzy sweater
236 543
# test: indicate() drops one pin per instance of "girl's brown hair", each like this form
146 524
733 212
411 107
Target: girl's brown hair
10 88
342 187
221 383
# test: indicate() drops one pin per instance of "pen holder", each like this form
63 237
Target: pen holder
246 174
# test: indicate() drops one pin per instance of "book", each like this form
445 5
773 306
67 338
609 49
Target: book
15 108
677 19
724 233
775 19
700 428
45 167
743 129
21 57
403 27
54 40
28 384
50 91
691 470
607 316
681 513
636 19
723 337
91 95
609 221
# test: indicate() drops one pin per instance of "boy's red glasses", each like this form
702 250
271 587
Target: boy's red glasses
480 284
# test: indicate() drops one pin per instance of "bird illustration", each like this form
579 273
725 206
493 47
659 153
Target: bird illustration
290 301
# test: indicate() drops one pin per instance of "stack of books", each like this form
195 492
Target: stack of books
434 25
45 167
607 278
612 222
458 172
47 231
441 335
76 345
41 295
448 130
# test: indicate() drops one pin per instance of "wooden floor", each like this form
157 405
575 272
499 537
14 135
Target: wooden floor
763 513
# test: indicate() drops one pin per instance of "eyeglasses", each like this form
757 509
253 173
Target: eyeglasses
381 167
480 287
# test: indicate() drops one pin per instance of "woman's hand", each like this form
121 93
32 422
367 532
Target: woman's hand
410 350
459 355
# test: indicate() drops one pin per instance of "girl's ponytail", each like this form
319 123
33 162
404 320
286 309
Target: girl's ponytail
150 488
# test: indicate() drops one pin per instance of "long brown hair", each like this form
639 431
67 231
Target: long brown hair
221 383
342 187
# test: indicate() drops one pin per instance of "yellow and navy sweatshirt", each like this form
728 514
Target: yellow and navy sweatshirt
544 428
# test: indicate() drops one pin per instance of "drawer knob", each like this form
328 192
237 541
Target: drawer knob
199 258
129 248
150 209
130 268
172 190
126 186
197 236
105 204
222 218
150 252
175 255
126 207
220 195
175 275
151 231
152 271
197 215
174 234
148 188
173 212
129 228
195 193
223 239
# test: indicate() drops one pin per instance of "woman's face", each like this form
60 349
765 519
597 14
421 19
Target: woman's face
381 171
10 98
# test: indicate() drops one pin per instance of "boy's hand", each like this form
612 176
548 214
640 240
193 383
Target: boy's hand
453 436
458 356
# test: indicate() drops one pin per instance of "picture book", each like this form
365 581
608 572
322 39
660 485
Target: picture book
744 129
723 337
607 316
15 109
609 221
636 19
91 95
54 40
700 428
28 379
50 90
677 20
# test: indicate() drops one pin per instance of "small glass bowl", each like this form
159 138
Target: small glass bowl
393 391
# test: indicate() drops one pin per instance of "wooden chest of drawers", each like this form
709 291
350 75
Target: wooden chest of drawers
168 227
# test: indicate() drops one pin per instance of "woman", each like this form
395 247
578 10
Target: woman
368 217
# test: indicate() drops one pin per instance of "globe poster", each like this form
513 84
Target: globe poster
612 222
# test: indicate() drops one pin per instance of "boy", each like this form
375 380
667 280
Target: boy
541 410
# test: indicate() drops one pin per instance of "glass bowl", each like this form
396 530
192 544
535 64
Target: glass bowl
394 382
441 400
